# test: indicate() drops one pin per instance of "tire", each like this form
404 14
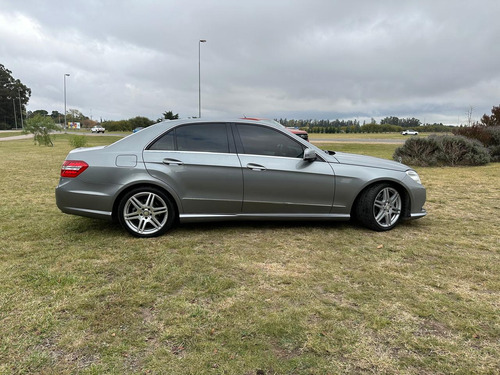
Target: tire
146 212
379 207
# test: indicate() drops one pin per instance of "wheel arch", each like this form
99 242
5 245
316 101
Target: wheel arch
405 196
131 187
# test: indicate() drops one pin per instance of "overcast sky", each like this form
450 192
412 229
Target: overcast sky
323 59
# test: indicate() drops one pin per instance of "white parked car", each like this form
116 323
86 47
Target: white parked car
409 132
97 129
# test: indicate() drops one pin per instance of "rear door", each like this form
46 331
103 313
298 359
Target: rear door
198 161
276 178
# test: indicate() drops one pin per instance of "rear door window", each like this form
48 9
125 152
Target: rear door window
195 137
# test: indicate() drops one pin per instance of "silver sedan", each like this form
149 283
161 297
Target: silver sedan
194 170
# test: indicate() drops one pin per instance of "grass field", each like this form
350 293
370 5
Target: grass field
80 296
6 134
363 136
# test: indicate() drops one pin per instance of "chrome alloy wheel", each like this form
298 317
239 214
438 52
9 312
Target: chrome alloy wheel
387 207
145 213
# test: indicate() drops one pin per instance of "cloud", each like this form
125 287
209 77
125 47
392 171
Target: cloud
332 59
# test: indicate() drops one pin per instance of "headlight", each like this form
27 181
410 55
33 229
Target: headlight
414 176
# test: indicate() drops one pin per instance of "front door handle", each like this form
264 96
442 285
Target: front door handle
256 167
168 161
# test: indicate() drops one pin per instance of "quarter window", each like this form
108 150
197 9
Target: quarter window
258 140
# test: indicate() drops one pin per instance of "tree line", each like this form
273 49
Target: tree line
386 125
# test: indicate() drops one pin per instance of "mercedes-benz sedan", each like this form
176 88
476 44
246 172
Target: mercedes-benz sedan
191 170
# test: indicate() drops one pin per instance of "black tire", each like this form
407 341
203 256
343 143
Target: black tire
379 207
146 212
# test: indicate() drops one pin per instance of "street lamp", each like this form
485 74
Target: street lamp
65 75
15 116
199 76
20 109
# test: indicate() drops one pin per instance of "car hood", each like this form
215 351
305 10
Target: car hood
368 161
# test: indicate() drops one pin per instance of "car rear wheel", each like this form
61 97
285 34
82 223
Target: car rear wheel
379 208
146 212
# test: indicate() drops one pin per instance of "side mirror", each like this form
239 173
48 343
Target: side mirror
309 154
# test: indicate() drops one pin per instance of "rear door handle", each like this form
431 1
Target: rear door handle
256 167
168 161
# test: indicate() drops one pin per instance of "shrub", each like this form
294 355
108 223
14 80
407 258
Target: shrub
444 150
41 126
475 131
418 151
489 136
494 145
77 141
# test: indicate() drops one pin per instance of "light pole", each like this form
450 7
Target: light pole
65 75
14 105
199 76
20 109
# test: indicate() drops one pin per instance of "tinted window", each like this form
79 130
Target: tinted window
166 142
259 140
196 137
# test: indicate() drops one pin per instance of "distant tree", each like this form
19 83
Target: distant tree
494 119
75 115
392 120
469 116
41 127
11 90
169 115
41 112
139 121
57 117
409 122
88 123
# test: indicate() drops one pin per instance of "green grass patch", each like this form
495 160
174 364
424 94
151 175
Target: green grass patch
81 296
6 134
384 151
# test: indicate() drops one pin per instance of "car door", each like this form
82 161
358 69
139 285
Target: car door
199 163
276 178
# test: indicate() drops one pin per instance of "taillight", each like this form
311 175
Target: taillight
72 168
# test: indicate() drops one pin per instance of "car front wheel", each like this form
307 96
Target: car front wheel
379 207
146 212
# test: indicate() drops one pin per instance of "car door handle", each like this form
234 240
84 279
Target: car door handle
168 161
256 167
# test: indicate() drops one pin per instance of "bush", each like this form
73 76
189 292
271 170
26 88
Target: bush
444 150
489 136
41 127
475 131
77 141
494 146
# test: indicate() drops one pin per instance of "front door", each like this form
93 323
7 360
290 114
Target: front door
276 178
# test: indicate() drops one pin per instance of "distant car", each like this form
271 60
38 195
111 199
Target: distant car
97 129
194 169
301 133
409 132
137 129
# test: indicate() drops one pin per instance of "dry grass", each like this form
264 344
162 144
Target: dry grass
81 296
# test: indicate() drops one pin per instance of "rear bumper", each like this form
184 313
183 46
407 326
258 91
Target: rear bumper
418 215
